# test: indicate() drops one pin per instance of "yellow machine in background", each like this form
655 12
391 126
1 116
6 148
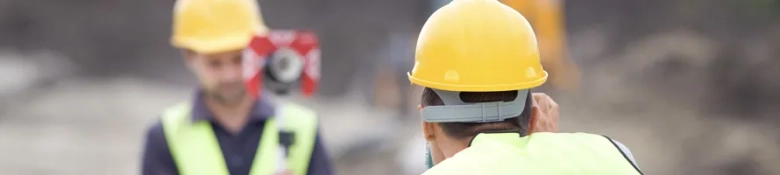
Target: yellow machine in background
547 19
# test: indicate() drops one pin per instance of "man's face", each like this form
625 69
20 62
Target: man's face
220 75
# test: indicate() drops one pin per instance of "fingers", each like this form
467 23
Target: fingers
554 109
535 100
538 100
553 104
544 101
549 112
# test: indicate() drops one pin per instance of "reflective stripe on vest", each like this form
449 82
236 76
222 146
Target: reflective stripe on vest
196 151
539 153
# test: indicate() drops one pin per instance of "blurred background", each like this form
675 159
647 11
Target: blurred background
690 86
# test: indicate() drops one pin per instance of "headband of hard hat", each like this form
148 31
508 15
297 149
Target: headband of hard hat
456 110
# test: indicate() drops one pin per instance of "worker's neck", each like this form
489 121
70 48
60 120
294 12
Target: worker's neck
232 116
454 146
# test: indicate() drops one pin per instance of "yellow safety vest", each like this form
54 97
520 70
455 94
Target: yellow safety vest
195 149
538 154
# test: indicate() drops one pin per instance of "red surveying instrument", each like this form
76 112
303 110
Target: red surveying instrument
281 60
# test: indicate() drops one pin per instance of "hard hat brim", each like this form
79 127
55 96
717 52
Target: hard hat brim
479 88
213 45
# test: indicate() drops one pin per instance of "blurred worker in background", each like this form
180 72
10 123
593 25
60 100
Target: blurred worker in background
478 60
224 130
547 19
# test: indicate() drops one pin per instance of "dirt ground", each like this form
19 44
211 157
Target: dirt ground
84 126
96 127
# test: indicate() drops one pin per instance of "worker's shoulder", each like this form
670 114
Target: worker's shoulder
305 118
570 137
295 109
626 152
180 109
453 166
609 143
469 161
155 136
580 138
585 136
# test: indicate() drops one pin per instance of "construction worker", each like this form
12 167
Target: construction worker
478 61
223 130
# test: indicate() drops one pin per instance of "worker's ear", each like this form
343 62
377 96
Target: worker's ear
428 130
188 54
189 57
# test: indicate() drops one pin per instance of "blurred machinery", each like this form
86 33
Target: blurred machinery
547 19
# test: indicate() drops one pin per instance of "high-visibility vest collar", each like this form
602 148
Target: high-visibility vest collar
538 153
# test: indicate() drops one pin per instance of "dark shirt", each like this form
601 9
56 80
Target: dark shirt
238 149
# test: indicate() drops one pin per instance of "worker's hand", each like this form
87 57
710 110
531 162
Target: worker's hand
548 114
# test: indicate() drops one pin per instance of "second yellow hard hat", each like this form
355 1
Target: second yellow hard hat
477 46
211 26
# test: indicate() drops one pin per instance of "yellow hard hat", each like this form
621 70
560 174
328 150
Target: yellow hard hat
211 26
477 46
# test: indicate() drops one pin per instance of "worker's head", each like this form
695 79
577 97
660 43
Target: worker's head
478 60
448 138
212 34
